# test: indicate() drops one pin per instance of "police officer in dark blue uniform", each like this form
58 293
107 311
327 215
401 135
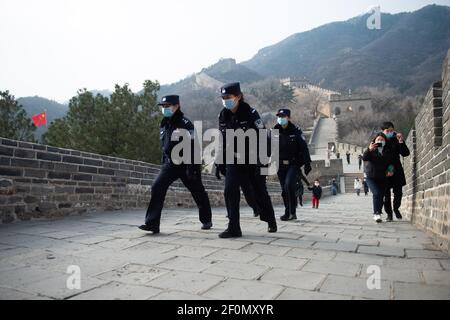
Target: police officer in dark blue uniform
190 174
237 114
294 154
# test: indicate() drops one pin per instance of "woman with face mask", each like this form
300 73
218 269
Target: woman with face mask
239 169
378 167
293 154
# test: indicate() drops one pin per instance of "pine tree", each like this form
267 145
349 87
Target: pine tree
123 125
14 121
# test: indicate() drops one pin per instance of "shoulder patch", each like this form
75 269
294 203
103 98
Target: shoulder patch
259 124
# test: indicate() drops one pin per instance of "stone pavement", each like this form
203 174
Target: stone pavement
326 254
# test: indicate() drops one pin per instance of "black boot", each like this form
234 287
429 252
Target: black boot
293 217
230 234
207 226
272 227
149 228
398 215
389 217
284 217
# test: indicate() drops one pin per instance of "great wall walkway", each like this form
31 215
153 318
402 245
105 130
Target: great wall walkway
325 132
324 255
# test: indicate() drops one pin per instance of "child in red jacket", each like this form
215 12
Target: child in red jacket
317 193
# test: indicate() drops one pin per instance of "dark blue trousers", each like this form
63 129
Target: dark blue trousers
378 189
170 173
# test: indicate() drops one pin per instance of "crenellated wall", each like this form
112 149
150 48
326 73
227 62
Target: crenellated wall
426 200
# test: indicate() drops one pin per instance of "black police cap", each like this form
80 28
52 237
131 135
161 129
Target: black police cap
233 88
284 112
171 100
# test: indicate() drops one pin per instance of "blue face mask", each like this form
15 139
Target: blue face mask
167 112
282 121
389 135
228 103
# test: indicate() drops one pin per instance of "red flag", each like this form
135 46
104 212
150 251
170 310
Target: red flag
39 119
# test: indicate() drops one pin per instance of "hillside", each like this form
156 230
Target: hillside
406 53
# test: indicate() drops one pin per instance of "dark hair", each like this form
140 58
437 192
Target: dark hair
386 125
379 134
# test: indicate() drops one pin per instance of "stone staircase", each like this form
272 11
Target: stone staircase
349 180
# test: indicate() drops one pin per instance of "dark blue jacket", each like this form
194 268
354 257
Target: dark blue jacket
245 118
167 127
292 145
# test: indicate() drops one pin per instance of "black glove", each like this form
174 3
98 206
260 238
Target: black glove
307 168
221 168
192 171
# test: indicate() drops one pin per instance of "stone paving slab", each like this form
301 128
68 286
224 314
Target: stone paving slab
325 254
232 289
117 290
298 294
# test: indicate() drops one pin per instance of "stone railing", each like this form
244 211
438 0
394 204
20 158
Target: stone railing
427 193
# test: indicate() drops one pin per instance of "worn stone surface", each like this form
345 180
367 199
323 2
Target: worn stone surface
118 261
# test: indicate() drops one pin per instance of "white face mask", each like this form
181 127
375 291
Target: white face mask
316 184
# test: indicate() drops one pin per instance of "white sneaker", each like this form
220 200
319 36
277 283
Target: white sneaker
377 218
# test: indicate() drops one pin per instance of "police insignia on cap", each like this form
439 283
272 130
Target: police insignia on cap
164 99
223 90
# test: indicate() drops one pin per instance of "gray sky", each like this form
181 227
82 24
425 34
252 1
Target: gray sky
51 48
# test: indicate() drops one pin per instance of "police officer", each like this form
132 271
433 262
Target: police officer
237 114
190 174
294 154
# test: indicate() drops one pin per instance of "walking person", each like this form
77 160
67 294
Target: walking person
378 167
293 154
397 147
334 187
360 161
365 186
189 173
357 185
316 193
348 157
238 115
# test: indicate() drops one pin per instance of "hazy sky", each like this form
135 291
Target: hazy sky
51 48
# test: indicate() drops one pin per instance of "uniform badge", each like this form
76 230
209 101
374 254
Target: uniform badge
259 124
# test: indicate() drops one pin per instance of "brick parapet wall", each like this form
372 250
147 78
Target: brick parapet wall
427 193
